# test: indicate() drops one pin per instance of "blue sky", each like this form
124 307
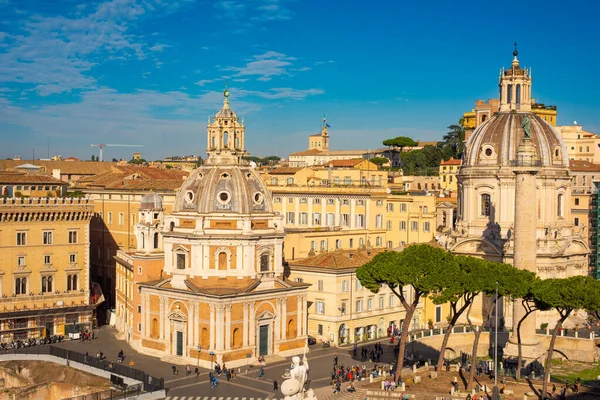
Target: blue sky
150 72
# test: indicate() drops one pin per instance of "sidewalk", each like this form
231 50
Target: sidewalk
107 342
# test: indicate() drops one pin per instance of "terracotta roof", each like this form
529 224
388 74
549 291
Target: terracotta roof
66 167
451 161
285 171
338 259
583 166
135 177
16 178
311 152
344 163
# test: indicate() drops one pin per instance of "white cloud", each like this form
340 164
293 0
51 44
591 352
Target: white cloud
279 93
159 47
265 66
253 10
203 82
324 62
55 53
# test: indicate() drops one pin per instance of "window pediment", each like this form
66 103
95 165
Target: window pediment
177 315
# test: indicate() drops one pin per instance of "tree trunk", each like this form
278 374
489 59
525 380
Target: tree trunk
476 342
451 325
519 348
403 336
550 350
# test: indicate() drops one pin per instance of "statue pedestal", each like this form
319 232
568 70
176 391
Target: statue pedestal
530 352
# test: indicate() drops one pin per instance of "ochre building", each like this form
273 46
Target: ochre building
220 294
44 267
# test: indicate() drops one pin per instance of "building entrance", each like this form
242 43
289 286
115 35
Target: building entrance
179 343
263 340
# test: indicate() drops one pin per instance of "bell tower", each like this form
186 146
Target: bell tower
225 136
515 87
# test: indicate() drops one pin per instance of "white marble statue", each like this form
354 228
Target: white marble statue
293 387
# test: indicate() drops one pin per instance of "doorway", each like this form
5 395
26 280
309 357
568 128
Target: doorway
179 343
263 340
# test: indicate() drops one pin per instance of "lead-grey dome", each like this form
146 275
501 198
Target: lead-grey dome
495 142
224 189
151 201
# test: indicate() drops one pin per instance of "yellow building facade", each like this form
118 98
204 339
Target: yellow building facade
581 145
332 208
447 174
44 267
340 309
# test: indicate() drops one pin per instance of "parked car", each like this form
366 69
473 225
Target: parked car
311 340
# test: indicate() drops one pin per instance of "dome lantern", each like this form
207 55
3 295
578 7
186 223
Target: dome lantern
515 87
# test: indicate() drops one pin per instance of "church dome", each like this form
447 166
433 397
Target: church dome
494 143
151 201
224 189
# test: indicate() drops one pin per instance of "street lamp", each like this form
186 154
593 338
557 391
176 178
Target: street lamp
212 359
496 392
198 363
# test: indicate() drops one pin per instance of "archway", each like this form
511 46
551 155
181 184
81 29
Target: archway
343 334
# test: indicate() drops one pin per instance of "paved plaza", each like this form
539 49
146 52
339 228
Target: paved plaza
247 384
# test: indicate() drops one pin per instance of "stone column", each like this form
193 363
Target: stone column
252 329
245 327
196 323
146 311
219 327
300 314
211 328
277 319
284 318
228 327
163 317
525 232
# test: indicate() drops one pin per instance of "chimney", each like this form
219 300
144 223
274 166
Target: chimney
56 173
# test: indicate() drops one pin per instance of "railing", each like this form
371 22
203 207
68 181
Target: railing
35 201
526 162
148 382
113 394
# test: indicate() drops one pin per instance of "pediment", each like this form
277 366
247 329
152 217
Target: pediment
177 315
266 315
477 246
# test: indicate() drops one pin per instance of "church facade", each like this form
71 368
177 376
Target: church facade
487 210
218 293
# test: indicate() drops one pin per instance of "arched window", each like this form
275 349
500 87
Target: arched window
444 218
486 204
236 338
156 240
291 328
509 94
171 226
225 139
559 205
483 118
44 283
68 282
237 141
264 262
518 94
222 260
143 240
23 285
213 144
18 286
154 328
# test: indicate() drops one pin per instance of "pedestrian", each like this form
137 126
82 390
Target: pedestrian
335 360
196 371
174 368
275 385
261 373
187 370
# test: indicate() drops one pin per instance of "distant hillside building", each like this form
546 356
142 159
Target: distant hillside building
318 152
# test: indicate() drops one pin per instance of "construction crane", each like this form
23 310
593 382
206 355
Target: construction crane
101 146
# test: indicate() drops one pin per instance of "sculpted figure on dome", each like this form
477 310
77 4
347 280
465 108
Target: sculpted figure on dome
526 125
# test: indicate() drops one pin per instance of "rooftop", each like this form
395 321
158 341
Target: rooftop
8 177
583 166
338 259
451 161
344 163
66 167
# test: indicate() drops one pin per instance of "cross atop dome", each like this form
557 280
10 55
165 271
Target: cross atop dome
225 136
515 53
